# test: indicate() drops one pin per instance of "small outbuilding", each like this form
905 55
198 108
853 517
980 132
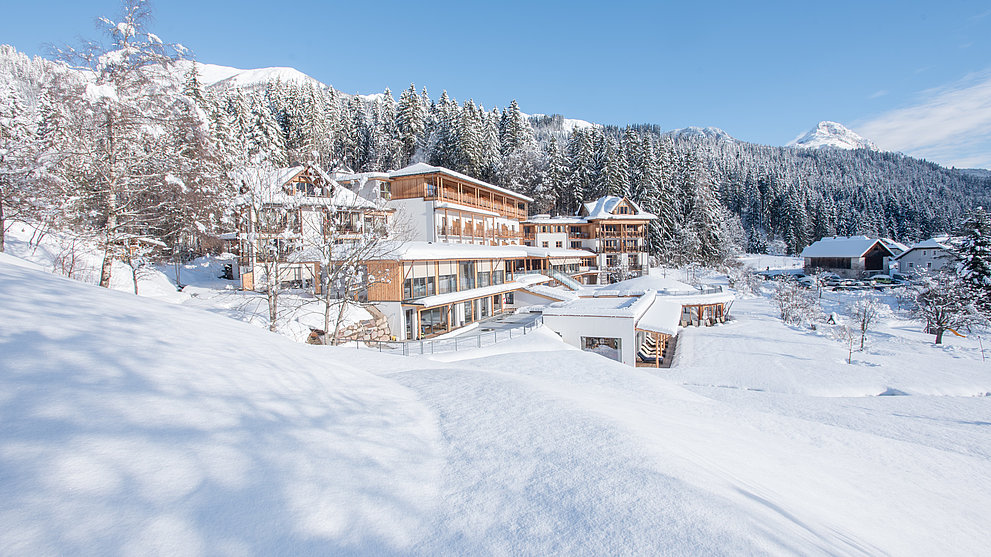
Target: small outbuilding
848 256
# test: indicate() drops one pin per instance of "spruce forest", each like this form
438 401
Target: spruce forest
127 139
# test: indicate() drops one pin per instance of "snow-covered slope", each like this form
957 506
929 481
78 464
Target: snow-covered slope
129 425
133 426
831 135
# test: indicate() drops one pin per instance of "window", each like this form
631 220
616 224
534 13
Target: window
418 287
576 245
604 346
559 244
447 283
508 298
543 244
484 278
498 277
433 321
467 308
467 272
385 190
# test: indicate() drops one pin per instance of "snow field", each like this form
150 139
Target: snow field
132 426
136 426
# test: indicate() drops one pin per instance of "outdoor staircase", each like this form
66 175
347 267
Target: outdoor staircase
565 280
650 351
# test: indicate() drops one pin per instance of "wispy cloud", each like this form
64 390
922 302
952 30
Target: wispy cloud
950 125
880 93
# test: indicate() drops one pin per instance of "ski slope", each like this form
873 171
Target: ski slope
132 425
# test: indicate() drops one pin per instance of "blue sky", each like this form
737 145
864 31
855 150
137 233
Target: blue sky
912 76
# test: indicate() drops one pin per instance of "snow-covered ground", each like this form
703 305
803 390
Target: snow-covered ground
135 425
203 286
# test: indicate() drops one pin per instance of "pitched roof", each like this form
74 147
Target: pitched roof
603 207
941 242
842 246
424 168
271 183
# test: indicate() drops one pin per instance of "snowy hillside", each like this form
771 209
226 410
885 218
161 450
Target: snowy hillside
831 135
132 425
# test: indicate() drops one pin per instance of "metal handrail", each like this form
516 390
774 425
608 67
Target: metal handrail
453 344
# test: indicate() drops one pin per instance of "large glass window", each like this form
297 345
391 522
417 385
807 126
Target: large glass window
484 278
448 283
418 287
467 271
498 277
604 346
433 321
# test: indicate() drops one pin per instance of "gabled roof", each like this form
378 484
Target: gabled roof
842 246
893 246
941 242
604 207
272 182
424 168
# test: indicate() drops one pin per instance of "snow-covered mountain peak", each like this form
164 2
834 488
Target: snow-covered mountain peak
698 131
226 76
831 135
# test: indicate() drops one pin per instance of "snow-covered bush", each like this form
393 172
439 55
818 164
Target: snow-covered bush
864 313
943 302
796 305
744 281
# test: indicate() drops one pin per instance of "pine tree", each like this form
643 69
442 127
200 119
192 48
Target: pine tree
15 162
410 124
974 253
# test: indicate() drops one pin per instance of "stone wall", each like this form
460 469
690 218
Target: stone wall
376 328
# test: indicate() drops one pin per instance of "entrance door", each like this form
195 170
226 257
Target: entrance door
410 324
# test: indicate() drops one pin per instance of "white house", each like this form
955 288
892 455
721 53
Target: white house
635 321
613 228
931 255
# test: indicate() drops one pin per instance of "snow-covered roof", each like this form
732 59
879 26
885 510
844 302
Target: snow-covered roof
663 316
455 297
554 292
640 285
547 219
894 246
271 183
603 207
601 307
940 242
424 168
442 250
841 246
552 253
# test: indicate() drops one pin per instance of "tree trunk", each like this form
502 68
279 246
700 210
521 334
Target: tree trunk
3 223
111 230
178 266
272 293
939 335
105 270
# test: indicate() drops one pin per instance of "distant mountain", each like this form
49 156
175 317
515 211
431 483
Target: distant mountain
213 75
976 172
708 132
831 135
